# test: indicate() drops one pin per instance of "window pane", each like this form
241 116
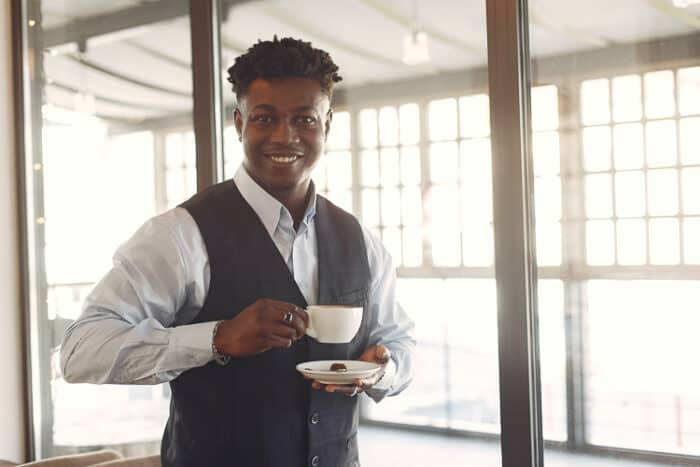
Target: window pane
174 150
391 237
641 340
476 180
370 207
661 143
443 225
663 192
472 350
631 241
548 243
320 176
176 188
391 207
600 246
233 152
477 244
442 119
444 166
370 168
599 195
629 146
339 166
410 166
595 102
691 190
550 312
547 198
412 247
545 153
545 108
342 198
388 126
410 124
411 206
390 167
339 135
596 148
664 241
629 194
368 128
659 94
474 116
627 98
689 90
691 245
690 140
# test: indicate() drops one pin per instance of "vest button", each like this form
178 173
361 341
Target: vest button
314 461
315 418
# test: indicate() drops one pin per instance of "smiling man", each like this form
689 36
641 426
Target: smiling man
210 296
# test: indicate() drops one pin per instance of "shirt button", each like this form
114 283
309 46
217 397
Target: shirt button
315 460
315 418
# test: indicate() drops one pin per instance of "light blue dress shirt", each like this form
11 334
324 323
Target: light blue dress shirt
134 325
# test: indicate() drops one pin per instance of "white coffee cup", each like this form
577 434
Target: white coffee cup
333 324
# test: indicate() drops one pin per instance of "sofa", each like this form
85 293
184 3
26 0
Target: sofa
103 458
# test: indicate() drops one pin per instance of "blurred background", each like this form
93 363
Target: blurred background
616 158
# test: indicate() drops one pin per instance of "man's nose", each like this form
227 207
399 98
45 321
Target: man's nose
285 133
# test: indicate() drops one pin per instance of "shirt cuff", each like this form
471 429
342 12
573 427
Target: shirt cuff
388 378
192 343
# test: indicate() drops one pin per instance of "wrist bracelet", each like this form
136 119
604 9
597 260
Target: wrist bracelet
220 358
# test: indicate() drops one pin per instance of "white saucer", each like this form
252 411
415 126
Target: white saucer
320 370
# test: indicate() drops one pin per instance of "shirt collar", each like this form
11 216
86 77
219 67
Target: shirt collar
268 209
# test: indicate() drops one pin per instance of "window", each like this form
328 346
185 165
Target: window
111 146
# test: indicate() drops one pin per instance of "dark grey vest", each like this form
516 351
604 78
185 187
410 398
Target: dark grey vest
259 411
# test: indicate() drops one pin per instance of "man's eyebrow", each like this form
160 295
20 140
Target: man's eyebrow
268 107
305 108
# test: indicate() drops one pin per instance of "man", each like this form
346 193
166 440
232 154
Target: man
210 296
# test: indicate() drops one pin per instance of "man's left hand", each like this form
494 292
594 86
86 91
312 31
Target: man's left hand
376 354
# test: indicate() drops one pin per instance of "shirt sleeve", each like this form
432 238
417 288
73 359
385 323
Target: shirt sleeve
133 327
390 325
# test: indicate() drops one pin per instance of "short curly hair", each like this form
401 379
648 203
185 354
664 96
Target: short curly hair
283 58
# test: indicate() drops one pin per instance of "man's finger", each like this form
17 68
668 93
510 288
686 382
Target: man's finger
303 315
299 317
344 388
272 340
284 331
383 354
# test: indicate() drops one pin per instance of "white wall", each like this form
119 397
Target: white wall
12 426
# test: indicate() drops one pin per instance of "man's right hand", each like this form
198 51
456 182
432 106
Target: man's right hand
260 327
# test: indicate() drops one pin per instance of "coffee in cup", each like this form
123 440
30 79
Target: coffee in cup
333 324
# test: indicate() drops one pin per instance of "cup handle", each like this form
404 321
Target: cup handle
310 331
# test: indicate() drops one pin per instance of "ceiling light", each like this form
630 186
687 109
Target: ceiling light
415 48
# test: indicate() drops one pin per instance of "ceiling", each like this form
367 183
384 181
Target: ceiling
135 57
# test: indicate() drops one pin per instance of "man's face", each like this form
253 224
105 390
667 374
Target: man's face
283 123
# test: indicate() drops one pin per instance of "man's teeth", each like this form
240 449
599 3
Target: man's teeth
284 159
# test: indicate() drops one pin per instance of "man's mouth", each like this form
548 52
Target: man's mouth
283 158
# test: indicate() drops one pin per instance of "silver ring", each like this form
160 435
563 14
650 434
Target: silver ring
288 317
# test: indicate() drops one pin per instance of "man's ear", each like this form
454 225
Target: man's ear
327 124
238 122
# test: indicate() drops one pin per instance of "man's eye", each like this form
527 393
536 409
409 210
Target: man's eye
262 118
307 120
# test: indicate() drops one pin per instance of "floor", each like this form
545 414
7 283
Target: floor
383 447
